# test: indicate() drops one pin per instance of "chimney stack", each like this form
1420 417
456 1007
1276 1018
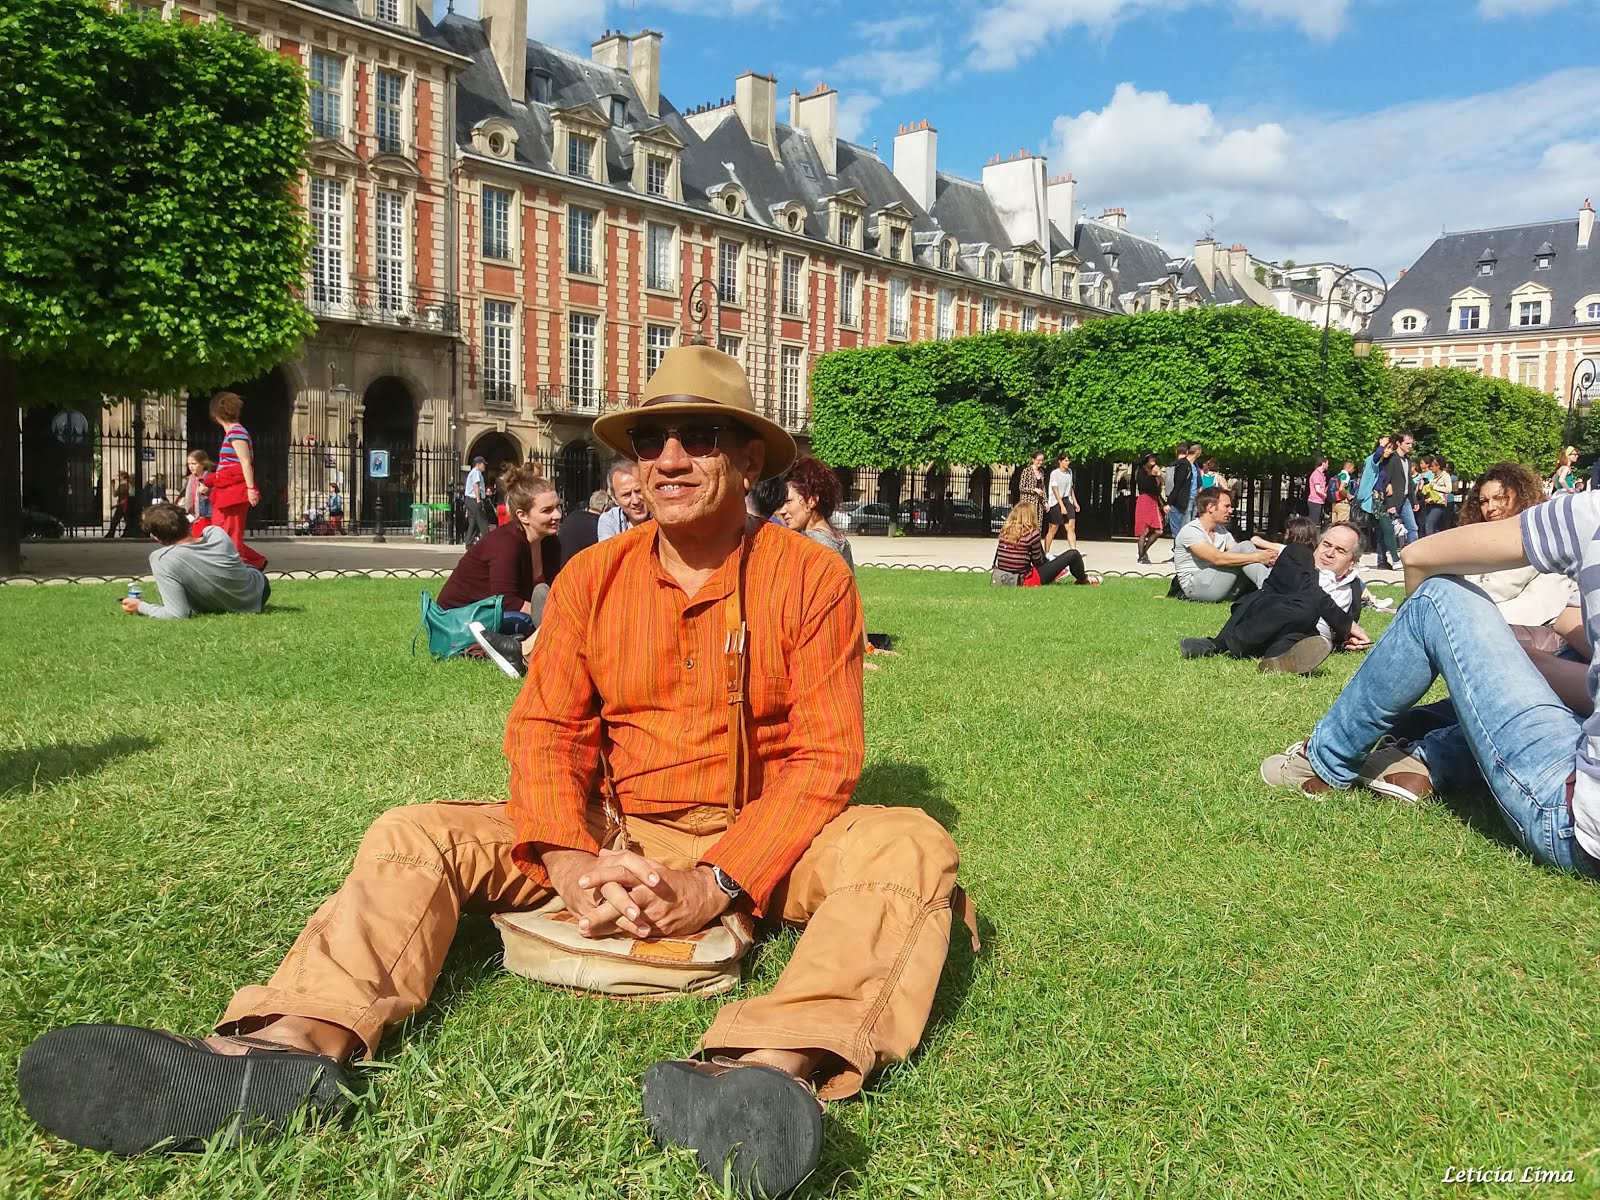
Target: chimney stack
644 64
817 116
1585 224
916 162
755 100
1239 264
506 22
611 50
1016 188
1205 261
1117 218
1061 199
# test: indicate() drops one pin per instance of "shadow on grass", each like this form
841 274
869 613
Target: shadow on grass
906 785
33 768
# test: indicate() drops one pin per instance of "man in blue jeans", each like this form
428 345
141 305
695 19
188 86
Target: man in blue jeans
1518 734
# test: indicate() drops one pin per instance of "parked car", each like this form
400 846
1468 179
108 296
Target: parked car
39 524
861 516
941 516
997 517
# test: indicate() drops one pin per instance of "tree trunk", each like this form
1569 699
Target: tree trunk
10 467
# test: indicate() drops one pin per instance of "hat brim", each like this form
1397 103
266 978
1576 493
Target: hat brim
611 430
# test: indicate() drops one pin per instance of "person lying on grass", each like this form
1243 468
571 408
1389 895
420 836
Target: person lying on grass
196 572
1294 622
631 656
1515 736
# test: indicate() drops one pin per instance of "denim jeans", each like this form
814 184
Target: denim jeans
1408 518
1514 735
1176 520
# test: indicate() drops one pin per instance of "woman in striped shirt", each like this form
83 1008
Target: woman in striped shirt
233 484
1020 550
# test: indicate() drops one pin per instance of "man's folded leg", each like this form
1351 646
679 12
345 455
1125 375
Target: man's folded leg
873 893
367 959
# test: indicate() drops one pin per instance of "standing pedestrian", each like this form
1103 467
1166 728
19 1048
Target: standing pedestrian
1030 484
1185 483
1149 510
196 496
121 506
474 498
1565 481
1398 481
233 484
1317 490
1063 511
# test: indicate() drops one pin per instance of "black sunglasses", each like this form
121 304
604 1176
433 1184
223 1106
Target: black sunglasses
698 439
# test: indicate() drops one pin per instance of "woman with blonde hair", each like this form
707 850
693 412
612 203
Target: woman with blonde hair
1566 479
1021 551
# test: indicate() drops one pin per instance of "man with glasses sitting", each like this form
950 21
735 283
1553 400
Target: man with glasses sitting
632 658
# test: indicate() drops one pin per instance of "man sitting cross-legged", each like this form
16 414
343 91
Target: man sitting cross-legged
1515 735
630 660
1208 565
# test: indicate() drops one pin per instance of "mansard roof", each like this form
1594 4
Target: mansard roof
1452 264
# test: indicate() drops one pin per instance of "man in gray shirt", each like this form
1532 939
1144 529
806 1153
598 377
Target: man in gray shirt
1209 565
196 574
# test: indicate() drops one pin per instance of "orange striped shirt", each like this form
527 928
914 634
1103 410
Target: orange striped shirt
623 653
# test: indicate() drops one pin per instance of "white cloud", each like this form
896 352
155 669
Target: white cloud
575 24
1495 9
854 111
1007 33
1373 189
895 58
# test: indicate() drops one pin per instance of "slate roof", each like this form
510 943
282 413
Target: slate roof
1451 265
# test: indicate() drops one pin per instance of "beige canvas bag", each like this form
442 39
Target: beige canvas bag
544 943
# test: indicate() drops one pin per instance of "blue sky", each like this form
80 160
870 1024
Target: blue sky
1306 129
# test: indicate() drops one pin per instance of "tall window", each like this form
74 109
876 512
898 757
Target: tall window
790 399
897 244
657 341
327 250
496 223
1030 319
387 10
390 220
730 345
581 359
619 111
899 325
988 267
728 272
944 256
946 325
499 332
327 95
792 266
655 175
1530 312
849 282
847 229
1027 277
580 152
990 309
658 269
1528 371
1470 316
580 241
391 93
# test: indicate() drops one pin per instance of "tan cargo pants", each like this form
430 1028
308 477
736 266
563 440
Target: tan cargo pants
872 892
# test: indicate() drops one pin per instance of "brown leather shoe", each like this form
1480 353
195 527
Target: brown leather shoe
1392 770
1292 769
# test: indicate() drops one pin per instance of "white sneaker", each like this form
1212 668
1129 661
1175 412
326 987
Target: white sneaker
503 650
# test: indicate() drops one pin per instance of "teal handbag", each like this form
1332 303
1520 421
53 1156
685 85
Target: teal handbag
446 628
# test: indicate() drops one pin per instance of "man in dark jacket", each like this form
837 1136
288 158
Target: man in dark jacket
580 530
1180 500
1279 623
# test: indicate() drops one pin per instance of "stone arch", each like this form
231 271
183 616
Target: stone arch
389 422
578 472
499 450
268 412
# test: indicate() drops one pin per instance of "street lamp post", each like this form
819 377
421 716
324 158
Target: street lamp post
1363 337
1578 398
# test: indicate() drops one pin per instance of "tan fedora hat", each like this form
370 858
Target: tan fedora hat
697 381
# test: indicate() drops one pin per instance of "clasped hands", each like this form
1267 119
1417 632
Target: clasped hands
621 890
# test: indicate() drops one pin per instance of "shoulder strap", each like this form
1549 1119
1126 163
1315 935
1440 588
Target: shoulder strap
735 663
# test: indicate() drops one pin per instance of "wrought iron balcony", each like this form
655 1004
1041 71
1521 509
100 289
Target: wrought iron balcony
583 401
499 394
373 302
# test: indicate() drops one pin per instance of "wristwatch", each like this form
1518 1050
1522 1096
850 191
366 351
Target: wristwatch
729 888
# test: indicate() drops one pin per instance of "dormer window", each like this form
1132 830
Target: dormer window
991 266
657 159
944 255
1111 260
580 155
1408 323
1486 261
1542 263
619 111
847 229
1544 256
897 244
1530 312
1027 277
542 88
656 171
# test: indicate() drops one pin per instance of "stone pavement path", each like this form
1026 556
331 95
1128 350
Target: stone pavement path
122 558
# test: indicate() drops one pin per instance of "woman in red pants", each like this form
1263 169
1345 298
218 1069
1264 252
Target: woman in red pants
233 484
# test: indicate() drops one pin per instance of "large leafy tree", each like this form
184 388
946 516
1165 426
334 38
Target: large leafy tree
150 236
1474 421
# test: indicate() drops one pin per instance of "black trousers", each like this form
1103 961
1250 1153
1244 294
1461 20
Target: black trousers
1067 560
477 520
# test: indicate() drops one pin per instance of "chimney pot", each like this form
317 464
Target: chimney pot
1585 224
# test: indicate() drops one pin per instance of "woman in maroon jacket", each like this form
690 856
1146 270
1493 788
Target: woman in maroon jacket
516 561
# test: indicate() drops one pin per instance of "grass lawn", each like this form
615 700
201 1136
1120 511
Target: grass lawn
1193 986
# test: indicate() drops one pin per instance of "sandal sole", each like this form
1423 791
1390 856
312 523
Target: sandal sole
768 1122
128 1090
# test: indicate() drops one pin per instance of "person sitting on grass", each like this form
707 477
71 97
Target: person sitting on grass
628 496
632 628
1021 551
1292 624
516 561
196 572
1208 565
1517 734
